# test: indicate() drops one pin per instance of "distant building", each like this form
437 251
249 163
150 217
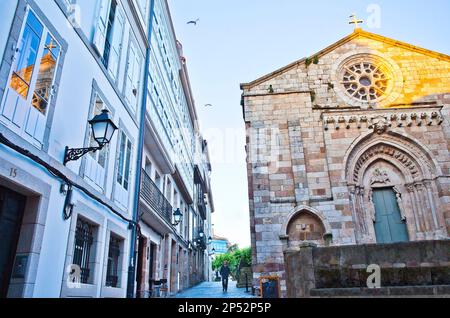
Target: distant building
175 171
220 245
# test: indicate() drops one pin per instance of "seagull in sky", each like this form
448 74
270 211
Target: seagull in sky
208 105
194 22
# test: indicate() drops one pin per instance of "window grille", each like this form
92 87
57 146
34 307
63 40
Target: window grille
84 239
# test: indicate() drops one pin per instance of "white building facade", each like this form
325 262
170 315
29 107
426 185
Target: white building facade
66 228
168 259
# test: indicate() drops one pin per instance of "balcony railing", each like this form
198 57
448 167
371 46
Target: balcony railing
155 198
201 203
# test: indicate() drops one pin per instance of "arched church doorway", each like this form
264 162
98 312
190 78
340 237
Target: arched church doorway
389 225
393 192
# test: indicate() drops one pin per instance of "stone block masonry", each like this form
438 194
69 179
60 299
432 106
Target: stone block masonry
407 269
322 139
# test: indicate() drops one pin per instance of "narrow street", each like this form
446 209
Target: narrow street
214 290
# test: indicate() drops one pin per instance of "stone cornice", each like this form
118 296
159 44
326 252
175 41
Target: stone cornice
382 118
278 93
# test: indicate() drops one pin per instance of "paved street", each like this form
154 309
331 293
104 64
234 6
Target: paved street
214 290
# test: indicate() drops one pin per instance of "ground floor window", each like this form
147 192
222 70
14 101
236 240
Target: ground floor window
112 274
82 256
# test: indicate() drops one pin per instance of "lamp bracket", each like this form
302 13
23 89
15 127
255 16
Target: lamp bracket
73 154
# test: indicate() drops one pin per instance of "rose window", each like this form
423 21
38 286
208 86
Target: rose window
367 81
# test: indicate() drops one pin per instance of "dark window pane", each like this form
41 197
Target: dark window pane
112 271
121 159
127 166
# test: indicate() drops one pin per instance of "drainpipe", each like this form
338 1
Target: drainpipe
134 229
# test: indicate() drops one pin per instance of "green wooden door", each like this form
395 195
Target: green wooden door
389 227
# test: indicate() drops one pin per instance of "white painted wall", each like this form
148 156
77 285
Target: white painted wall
69 126
7 9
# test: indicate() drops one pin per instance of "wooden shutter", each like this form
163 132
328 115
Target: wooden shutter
101 26
124 168
129 78
116 43
136 80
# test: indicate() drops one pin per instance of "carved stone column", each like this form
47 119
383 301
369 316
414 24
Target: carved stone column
368 207
422 202
429 190
417 218
398 194
356 217
360 210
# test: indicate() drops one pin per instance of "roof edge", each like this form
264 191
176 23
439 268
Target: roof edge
355 34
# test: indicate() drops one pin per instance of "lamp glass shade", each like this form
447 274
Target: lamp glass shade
103 128
201 234
177 216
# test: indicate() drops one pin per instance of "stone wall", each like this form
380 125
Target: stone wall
342 271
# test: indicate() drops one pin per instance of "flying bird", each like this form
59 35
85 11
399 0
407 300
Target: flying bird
194 22
208 105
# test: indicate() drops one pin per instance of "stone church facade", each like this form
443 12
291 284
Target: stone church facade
348 147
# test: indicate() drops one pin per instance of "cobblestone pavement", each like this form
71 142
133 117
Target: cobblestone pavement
214 290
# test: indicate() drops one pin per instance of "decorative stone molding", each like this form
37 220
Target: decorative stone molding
409 155
381 120
396 155
380 176
380 124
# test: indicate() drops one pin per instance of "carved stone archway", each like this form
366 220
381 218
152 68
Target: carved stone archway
382 160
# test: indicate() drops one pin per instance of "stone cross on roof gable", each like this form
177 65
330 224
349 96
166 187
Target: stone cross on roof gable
355 21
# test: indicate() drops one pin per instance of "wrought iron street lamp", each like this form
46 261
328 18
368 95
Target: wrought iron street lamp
213 252
177 217
103 129
200 241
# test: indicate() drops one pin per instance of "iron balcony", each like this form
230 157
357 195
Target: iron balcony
151 194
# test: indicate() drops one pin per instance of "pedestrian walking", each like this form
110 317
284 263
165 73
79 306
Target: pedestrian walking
225 273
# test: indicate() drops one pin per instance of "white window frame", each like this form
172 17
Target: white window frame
23 124
129 79
122 194
98 184
143 12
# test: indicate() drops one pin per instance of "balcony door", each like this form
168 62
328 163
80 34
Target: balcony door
31 81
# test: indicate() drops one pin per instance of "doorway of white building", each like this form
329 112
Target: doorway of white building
141 260
12 206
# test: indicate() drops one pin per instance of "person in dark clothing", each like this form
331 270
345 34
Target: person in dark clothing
225 273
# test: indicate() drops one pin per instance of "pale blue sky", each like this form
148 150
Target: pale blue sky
238 41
